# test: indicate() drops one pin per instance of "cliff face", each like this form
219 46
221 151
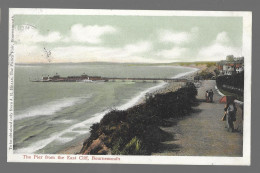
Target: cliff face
136 131
97 146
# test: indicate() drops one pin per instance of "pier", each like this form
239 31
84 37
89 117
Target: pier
146 79
86 78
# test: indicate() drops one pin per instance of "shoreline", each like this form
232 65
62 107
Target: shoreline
165 87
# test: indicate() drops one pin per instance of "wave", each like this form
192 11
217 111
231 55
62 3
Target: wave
141 95
64 139
58 136
185 73
52 107
61 122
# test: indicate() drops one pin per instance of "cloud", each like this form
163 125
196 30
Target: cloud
32 35
78 53
219 49
128 53
222 37
103 52
29 54
139 47
89 33
78 33
172 53
178 38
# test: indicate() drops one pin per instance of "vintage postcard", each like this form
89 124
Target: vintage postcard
129 86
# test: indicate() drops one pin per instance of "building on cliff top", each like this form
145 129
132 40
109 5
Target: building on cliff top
232 65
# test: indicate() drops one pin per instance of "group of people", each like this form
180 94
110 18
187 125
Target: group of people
229 110
209 95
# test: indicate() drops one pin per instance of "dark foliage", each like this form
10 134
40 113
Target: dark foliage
136 131
232 83
204 75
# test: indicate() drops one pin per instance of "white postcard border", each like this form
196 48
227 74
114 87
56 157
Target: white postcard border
114 159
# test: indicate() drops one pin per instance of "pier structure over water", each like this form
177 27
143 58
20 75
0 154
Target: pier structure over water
86 78
146 79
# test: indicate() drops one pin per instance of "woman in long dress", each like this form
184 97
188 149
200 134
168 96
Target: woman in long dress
231 115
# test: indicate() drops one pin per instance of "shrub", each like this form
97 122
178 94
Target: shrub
205 75
136 131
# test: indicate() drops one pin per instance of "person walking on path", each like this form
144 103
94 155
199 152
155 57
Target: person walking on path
231 115
207 96
211 95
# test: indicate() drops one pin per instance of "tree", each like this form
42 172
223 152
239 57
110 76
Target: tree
230 58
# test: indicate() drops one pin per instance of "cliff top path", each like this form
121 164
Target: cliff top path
202 133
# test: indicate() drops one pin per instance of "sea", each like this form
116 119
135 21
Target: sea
51 116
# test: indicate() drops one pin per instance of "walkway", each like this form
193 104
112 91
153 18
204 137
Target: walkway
203 133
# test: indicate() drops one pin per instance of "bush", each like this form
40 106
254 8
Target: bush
136 131
204 75
113 117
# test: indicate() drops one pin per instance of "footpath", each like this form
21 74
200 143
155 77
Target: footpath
202 133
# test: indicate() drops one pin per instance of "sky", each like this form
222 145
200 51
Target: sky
125 39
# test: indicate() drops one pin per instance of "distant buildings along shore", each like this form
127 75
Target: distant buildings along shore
232 65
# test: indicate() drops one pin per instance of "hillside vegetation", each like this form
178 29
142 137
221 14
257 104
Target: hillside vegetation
136 131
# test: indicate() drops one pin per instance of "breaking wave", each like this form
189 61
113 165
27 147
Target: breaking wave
52 107
185 73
